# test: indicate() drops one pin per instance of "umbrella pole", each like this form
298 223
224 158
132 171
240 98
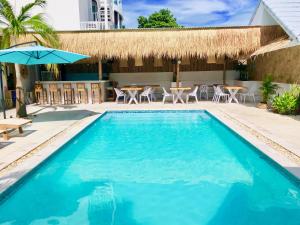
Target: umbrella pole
2 94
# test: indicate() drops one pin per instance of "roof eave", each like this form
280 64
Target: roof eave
280 22
254 14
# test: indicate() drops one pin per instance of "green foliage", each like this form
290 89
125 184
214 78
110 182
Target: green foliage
268 88
242 68
289 102
14 26
162 19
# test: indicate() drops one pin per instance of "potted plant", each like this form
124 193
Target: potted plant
267 89
242 68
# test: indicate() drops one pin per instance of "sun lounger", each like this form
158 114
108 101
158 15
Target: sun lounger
9 124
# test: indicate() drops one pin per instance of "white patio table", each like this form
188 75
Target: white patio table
178 92
233 90
132 91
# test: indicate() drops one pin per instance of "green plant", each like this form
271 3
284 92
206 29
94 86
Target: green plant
242 68
285 104
268 88
161 19
289 102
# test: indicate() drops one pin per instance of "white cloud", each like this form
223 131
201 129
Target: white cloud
194 12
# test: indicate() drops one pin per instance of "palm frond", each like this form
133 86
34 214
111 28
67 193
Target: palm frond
6 12
38 24
25 10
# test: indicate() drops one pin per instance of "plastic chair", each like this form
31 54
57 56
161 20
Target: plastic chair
167 95
204 90
250 93
192 94
146 94
120 94
219 94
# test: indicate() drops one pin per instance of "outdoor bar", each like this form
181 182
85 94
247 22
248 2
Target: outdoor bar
186 56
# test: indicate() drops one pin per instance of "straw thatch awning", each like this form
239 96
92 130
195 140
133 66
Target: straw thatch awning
281 43
173 43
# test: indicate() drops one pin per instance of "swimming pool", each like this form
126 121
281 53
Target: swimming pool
155 168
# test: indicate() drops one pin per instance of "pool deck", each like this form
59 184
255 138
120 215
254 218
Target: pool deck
275 135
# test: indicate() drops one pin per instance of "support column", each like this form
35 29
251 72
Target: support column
224 70
100 70
178 62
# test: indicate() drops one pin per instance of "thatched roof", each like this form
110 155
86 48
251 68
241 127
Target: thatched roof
278 44
200 42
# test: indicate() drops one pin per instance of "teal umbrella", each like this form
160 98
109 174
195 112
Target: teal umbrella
35 55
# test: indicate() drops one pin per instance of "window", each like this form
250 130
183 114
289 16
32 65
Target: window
94 10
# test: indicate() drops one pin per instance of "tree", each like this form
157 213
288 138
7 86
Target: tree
14 25
162 19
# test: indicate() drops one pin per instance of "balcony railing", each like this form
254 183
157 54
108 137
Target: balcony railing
92 25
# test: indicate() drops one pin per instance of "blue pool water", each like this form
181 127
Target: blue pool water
155 168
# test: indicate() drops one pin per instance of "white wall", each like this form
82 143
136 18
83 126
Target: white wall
208 77
262 17
84 10
61 14
257 84
165 78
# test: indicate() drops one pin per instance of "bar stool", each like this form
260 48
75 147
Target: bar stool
40 94
82 94
55 94
96 92
69 97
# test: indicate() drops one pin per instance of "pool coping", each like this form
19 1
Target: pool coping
22 169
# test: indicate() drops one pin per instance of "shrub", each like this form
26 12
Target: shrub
268 88
289 102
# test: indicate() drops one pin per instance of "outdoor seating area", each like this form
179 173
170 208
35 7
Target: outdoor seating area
167 114
67 93
183 94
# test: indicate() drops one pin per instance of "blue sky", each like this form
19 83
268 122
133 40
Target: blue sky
192 13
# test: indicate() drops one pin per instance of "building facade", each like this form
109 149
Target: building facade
76 15
280 58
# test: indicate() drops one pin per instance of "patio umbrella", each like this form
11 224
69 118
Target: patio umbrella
35 55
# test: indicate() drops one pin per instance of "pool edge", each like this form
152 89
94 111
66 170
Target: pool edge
9 188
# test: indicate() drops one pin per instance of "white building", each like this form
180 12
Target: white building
66 15
285 13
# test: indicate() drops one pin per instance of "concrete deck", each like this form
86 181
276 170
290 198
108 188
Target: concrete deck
275 135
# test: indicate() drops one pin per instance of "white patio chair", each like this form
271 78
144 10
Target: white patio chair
146 95
192 94
153 98
120 94
215 94
250 93
204 90
219 94
167 95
